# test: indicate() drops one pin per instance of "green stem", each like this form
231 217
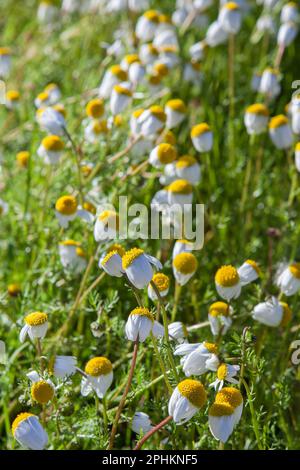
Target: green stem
161 363
253 415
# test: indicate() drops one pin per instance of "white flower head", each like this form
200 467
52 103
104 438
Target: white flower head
99 377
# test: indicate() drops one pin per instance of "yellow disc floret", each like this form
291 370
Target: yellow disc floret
176 105
185 263
98 366
254 265
121 90
231 6
229 395
185 161
66 205
118 72
130 256
53 143
21 417
166 153
287 314
219 308
194 391
95 108
118 248
161 281
180 186
23 158
222 372
278 121
14 290
36 318
227 276
211 347
142 311
69 243
295 270
88 206
42 392
200 129
108 256
152 15
13 95
220 409
158 112
258 108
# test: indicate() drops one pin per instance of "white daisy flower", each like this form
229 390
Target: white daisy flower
225 373
99 377
184 267
36 326
139 324
28 431
230 17
141 423
248 272
256 118
219 318
186 400
138 267
228 283
197 358
202 137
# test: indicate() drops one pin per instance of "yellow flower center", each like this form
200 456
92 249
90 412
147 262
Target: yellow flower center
95 108
185 263
176 105
254 265
278 121
154 80
23 158
118 72
258 108
219 308
108 256
86 170
222 372
13 95
211 347
121 90
166 153
51 87
131 58
231 6
170 138
14 290
100 127
137 113
161 281
69 243
152 15
165 19
160 69
185 161
98 366
60 109
297 148
196 65
158 112
130 256
36 318
152 49
220 409
80 252
180 187
5 51
295 270
229 395
43 96
142 311
66 205
53 143
21 417
200 129
227 276
118 248
42 392
287 314
109 218
194 391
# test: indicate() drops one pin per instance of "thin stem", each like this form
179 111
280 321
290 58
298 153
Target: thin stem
152 431
40 353
253 415
176 300
161 363
78 156
124 396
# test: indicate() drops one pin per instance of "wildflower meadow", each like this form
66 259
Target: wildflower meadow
149 225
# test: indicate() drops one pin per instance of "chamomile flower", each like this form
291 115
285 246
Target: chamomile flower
230 17
176 112
296 121
72 256
272 313
106 226
248 272
12 100
152 121
95 108
62 367
136 73
289 280
113 76
202 137
162 283
54 93
228 282
256 118
225 373
99 376
186 400
52 121
42 100
138 267
120 98
141 423
148 54
192 73
139 324
269 83
184 267
216 34
219 317
180 192
14 290
66 210
162 154
28 431
177 331
198 358
23 158
289 12
286 34
255 81
169 56
197 51
147 25
187 168
280 132
165 37
51 149
225 413
111 261
297 156
182 246
36 326
5 61
42 391
96 129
